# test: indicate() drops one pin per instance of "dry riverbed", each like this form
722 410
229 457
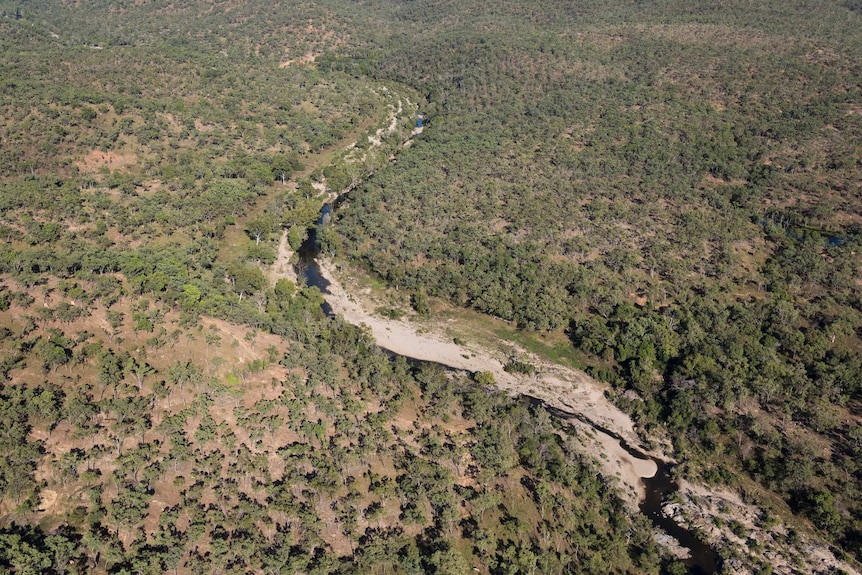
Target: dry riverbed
563 388
736 527
739 529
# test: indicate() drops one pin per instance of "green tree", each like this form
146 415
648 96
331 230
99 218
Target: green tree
138 369
109 370
128 509
51 353
246 279
448 561
259 227
20 556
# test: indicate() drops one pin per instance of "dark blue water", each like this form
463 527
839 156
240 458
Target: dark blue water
307 267
798 233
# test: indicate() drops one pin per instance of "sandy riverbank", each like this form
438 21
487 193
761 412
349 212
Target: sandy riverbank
567 389
282 267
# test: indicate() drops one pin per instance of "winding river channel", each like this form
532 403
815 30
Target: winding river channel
702 558
653 474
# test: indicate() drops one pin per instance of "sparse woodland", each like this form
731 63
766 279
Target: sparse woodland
674 187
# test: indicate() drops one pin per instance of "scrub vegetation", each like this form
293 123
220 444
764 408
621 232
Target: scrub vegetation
673 187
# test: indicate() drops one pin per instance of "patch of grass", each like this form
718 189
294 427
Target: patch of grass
554 346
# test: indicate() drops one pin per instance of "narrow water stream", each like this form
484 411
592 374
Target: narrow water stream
307 267
703 560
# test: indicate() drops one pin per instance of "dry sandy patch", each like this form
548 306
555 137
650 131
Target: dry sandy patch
566 389
282 266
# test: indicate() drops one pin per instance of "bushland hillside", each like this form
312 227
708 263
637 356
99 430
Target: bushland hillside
671 188
166 404
676 188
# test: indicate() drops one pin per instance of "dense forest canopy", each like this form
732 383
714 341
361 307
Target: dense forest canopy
674 186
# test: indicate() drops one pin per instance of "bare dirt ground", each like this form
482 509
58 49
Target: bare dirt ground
98 159
282 267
